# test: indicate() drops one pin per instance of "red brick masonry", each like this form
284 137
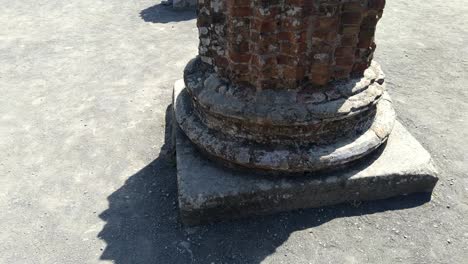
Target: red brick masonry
283 44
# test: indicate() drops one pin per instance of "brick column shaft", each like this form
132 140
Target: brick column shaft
282 44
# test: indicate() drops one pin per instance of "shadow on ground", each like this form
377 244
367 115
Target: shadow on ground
142 224
165 14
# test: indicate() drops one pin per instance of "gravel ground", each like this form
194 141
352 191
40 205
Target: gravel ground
86 175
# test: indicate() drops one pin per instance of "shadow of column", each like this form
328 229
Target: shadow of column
165 14
142 224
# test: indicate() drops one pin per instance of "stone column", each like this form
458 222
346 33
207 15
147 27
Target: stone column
288 88
286 85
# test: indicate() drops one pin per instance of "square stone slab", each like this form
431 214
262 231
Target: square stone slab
210 192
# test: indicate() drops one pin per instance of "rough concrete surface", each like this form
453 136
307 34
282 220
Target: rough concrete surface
85 175
209 192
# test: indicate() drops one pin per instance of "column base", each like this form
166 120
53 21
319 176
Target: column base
211 192
282 156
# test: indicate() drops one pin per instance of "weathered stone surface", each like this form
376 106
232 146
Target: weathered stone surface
209 192
339 100
294 155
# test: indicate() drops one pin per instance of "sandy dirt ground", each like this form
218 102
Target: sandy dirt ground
86 172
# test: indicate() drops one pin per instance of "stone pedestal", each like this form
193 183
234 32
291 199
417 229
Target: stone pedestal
285 88
209 191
